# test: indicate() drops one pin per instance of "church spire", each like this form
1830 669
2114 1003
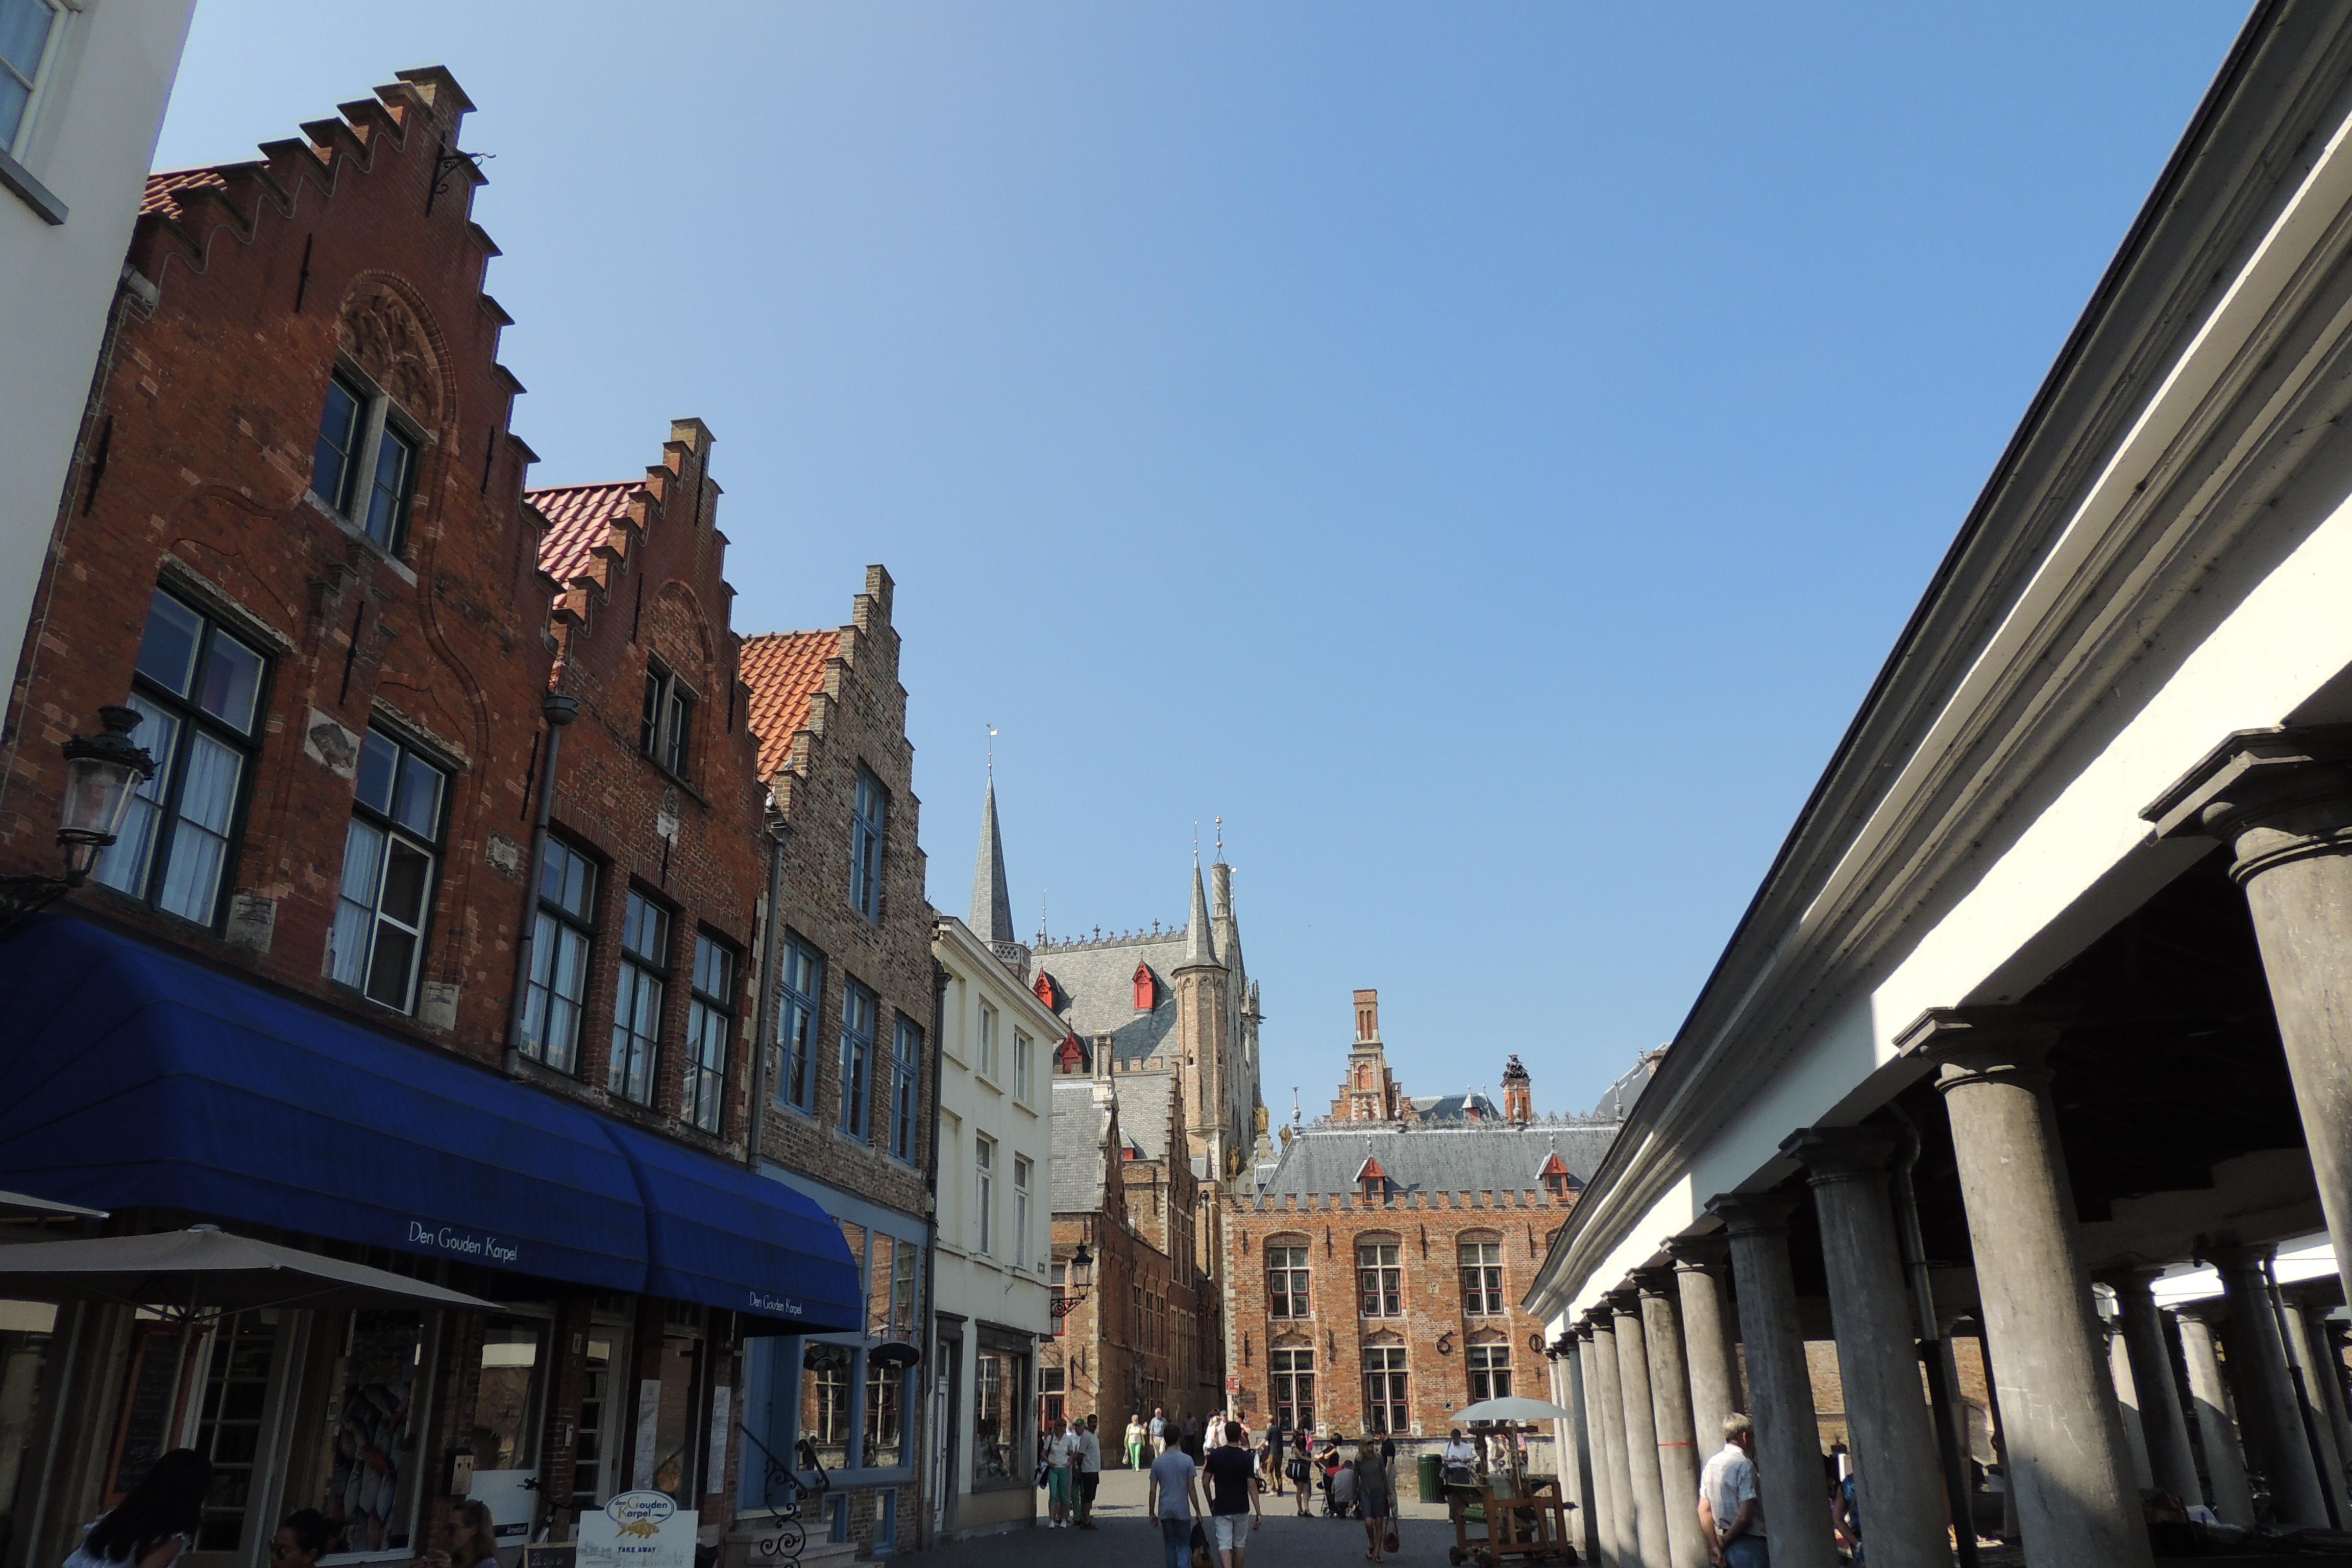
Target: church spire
1200 945
991 900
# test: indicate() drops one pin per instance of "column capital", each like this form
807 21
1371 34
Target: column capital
1655 1281
1977 1044
1626 1299
2130 1278
1708 1254
1753 1214
2274 794
1842 1153
2214 1311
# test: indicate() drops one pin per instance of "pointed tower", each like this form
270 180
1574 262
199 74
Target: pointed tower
1202 1025
991 900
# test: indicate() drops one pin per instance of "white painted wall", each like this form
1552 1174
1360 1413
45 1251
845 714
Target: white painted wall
89 138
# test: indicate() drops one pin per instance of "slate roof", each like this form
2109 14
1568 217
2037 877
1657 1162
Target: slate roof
992 898
1618 1103
783 669
1097 978
578 519
1143 1111
1449 1107
1078 1147
1469 1157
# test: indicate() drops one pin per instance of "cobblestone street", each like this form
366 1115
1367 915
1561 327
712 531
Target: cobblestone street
1125 1536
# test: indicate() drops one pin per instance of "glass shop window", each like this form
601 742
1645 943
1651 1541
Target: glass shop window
233 1421
675 1467
824 1401
24 1347
598 1442
368 1466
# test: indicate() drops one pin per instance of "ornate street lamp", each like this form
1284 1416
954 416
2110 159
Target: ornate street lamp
1080 1277
103 772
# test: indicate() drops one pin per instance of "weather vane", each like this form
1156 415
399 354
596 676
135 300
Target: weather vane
1220 839
992 752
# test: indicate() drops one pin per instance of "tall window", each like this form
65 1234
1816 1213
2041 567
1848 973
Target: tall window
198 691
866 846
710 1029
1021 1169
1379 1280
1286 1274
1490 1370
1482 1279
559 959
364 466
984 1190
667 726
906 1073
1384 1394
388 852
796 1016
24 29
638 1007
987 1041
857 1010
1024 1050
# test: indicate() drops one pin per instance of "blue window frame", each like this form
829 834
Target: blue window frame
797 995
866 838
906 1073
857 1010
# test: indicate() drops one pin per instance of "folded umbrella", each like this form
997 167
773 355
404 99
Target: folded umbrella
205 1270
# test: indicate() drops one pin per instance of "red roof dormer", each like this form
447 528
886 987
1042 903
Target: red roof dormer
1070 1056
1147 989
1047 992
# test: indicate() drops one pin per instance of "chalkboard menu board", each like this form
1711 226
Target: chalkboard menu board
150 1404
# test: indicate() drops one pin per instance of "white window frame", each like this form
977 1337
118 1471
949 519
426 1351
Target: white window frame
1024 1050
36 89
358 970
376 410
987 1042
1020 1172
983 1191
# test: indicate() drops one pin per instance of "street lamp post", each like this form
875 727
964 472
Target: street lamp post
103 772
1080 1277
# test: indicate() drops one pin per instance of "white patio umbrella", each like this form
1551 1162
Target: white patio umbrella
1512 1409
205 1269
19 1205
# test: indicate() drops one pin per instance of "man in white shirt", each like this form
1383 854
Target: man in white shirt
1729 1508
1089 1458
1159 1431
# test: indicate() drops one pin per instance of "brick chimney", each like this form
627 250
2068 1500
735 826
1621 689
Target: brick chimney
1368 1015
1518 1096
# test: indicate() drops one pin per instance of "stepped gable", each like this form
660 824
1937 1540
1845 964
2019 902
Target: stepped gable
786 671
1095 984
401 134
1475 1157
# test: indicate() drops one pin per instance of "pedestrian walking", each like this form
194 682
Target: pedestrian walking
1372 1497
1060 1451
1089 1478
1159 1431
156 1523
1233 1493
1300 1468
1274 1443
1729 1510
1136 1438
1171 1502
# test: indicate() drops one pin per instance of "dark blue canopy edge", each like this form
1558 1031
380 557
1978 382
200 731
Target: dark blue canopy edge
131 1077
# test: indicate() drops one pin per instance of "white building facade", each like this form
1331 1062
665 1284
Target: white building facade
83 88
2049 992
993 1299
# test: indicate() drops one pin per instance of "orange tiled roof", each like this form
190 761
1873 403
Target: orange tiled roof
162 197
578 518
784 670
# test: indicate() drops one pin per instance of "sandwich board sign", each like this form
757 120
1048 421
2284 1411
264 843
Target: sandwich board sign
638 1530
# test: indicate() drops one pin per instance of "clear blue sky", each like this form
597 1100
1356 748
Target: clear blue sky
1484 452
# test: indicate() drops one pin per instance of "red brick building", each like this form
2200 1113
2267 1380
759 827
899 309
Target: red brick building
298 545
849 1089
1378 1271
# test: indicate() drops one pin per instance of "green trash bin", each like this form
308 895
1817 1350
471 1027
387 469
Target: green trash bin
1432 1480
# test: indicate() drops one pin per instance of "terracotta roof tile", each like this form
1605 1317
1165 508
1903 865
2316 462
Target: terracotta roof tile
162 197
784 670
578 519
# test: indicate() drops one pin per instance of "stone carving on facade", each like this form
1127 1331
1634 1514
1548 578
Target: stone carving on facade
381 330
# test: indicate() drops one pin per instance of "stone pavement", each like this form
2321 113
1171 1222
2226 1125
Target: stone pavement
1123 1536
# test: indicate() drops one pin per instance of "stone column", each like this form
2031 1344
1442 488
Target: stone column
2282 800
2318 1422
2172 1463
1894 1443
1607 1405
1575 1349
2327 1371
1652 1546
2269 1410
2128 1403
1706 1347
2076 1500
1779 1388
1670 1403
2225 1461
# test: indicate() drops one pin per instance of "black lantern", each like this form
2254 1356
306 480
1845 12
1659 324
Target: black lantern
1079 1275
103 772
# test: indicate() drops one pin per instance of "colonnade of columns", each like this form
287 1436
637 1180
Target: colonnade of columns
1653 1374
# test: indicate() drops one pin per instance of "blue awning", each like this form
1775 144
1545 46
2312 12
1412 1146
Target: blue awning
130 1077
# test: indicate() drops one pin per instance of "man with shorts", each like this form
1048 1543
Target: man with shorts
1175 1490
1089 1470
1233 1493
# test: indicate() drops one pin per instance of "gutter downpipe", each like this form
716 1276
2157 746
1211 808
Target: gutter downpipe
764 1016
1934 1353
557 710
